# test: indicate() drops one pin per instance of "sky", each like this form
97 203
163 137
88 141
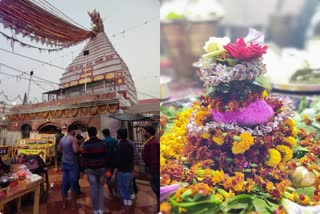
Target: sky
139 47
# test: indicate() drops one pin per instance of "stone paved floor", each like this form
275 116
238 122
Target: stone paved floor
144 203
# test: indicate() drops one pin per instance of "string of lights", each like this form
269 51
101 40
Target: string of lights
21 55
40 78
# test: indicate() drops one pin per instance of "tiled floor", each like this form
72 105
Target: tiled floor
144 203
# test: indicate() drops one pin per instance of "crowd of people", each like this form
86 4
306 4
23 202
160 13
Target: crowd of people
109 160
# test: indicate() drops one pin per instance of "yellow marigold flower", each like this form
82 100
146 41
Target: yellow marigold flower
217 177
219 196
293 196
264 93
304 199
162 160
290 123
205 135
269 186
201 115
291 141
295 132
225 194
274 158
249 185
165 208
246 142
218 140
182 210
285 151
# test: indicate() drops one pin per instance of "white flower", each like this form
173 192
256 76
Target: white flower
301 177
293 208
215 44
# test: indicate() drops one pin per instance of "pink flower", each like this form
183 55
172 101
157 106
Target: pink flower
240 50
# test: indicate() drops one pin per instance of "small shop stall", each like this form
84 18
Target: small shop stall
42 146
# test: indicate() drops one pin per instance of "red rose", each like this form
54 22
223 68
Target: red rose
240 50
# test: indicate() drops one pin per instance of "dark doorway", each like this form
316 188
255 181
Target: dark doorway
80 127
25 131
48 129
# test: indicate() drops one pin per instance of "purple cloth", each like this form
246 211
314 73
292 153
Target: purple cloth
257 112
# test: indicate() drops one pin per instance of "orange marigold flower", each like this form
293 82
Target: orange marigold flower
274 158
283 185
285 151
318 117
227 183
207 173
165 208
247 140
217 177
238 182
179 193
304 161
201 188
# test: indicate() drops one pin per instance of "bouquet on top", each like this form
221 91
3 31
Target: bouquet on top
237 150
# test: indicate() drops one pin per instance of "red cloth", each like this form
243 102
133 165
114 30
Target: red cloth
151 155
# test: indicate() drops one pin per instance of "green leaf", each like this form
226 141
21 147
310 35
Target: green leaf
303 104
300 149
239 202
306 191
262 81
186 194
260 205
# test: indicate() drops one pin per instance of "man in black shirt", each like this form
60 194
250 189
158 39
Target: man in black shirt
124 161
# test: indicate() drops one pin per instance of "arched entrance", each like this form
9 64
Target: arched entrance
47 129
25 130
80 126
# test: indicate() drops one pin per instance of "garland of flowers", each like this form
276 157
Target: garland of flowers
93 110
84 110
65 113
102 109
74 112
58 113
113 108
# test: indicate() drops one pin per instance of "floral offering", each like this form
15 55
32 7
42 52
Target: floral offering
237 150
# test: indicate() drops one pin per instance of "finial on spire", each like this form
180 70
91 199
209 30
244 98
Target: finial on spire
97 22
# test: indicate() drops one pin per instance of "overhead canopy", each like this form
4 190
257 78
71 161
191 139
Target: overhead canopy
28 19
129 117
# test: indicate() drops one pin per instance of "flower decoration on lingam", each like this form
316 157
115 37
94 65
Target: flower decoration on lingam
237 138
